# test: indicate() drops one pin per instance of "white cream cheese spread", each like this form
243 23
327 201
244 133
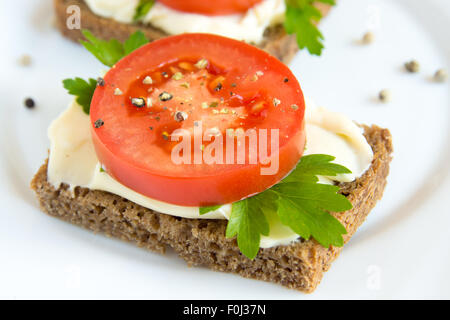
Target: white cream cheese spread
73 161
248 26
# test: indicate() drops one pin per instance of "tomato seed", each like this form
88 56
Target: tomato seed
216 84
186 66
257 107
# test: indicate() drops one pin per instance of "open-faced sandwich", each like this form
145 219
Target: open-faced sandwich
278 26
205 144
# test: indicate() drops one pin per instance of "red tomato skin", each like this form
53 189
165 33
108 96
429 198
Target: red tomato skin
204 191
215 8
217 187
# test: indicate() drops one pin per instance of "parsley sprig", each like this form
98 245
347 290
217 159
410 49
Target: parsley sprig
300 202
142 9
301 19
83 91
108 53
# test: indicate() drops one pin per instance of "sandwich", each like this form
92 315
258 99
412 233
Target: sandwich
206 145
277 26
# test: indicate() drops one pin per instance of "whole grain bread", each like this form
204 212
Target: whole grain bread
276 41
299 265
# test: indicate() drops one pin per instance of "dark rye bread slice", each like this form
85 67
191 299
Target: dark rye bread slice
276 41
299 265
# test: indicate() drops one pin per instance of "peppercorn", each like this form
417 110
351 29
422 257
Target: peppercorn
25 60
29 103
100 82
385 95
180 116
368 37
98 123
165 96
441 75
412 66
138 102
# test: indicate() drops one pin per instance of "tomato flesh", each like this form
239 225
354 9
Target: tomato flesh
217 7
187 81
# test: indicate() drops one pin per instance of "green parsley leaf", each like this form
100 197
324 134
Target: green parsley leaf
110 52
248 222
135 41
142 9
303 207
301 18
83 90
204 210
107 52
299 202
330 2
313 165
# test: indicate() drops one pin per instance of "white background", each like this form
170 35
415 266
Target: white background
400 252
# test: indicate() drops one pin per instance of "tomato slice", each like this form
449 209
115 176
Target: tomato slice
217 7
197 82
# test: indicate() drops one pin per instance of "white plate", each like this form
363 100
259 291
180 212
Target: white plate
400 252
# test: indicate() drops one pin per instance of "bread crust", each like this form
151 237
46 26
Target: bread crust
299 265
276 41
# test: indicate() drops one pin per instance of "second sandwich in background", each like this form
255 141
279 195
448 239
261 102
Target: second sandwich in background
279 27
